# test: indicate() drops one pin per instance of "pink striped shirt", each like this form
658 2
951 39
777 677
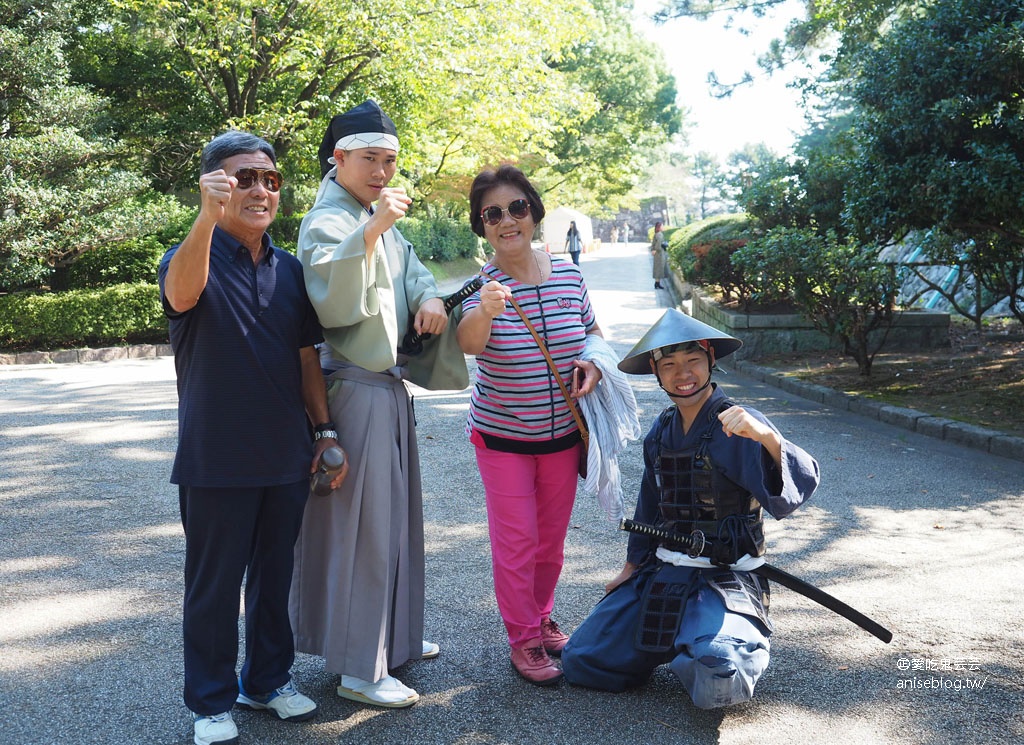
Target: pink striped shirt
515 396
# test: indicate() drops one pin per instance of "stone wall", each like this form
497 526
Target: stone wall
778 333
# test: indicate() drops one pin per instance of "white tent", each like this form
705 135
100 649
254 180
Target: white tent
556 225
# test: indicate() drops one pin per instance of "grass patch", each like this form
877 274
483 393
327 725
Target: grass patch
978 379
451 272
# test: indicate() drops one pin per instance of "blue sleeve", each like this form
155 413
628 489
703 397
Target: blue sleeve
310 331
779 490
162 278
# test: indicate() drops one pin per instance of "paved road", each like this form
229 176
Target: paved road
918 533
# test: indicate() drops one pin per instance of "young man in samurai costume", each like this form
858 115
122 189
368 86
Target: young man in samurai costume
358 590
711 468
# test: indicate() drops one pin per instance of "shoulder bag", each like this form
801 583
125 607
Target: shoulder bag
584 432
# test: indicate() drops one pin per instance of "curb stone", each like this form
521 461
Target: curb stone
85 354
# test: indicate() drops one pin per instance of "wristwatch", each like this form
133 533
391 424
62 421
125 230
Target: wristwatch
327 430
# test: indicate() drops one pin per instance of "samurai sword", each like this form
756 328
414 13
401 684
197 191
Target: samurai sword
412 344
694 544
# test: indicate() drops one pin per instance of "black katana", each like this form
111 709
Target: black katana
412 344
694 544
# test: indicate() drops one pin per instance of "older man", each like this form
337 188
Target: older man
249 386
358 593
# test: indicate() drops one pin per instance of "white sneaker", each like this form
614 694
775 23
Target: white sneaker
286 702
388 692
430 650
218 728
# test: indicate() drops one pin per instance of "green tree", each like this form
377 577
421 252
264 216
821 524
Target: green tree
622 108
941 131
832 31
744 165
468 84
808 189
838 284
710 186
450 72
64 187
808 250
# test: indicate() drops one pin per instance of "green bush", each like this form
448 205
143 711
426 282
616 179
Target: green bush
118 263
703 251
438 236
837 283
126 313
772 259
285 231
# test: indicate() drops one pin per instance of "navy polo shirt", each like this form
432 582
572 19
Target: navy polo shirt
241 417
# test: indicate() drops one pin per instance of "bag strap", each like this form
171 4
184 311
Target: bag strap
584 432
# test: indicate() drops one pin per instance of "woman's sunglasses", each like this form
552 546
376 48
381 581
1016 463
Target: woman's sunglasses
517 210
247 178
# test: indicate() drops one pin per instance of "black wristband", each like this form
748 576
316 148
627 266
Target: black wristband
325 426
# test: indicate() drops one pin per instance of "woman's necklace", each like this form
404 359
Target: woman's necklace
540 272
536 263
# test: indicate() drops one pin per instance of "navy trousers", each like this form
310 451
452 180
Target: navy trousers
231 534
718 655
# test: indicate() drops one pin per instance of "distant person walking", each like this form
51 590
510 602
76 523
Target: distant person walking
573 243
625 232
659 250
615 234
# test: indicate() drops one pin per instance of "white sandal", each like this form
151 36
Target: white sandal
388 692
430 650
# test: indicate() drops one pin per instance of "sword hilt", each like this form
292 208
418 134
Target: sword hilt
693 543
412 344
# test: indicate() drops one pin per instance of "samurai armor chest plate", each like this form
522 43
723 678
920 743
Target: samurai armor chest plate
697 496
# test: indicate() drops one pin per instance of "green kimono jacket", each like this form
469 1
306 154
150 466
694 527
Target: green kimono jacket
366 308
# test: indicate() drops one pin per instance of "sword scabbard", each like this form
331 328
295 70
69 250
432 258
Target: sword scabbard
821 597
773 574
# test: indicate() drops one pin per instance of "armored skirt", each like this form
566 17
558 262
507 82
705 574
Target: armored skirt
677 616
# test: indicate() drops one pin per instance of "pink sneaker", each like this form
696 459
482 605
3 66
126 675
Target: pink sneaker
553 637
534 664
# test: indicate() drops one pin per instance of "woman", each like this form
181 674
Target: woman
660 256
527 442
573 242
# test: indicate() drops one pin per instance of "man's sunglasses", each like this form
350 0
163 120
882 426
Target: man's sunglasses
517 209
247 178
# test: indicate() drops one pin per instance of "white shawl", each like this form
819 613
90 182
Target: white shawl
610 411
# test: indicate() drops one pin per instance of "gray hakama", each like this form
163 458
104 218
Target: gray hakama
343 594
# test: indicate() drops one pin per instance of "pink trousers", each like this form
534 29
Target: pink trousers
529 503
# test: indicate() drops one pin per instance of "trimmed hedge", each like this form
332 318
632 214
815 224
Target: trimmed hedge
115 298
121 314
133 261
439 237
703 251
